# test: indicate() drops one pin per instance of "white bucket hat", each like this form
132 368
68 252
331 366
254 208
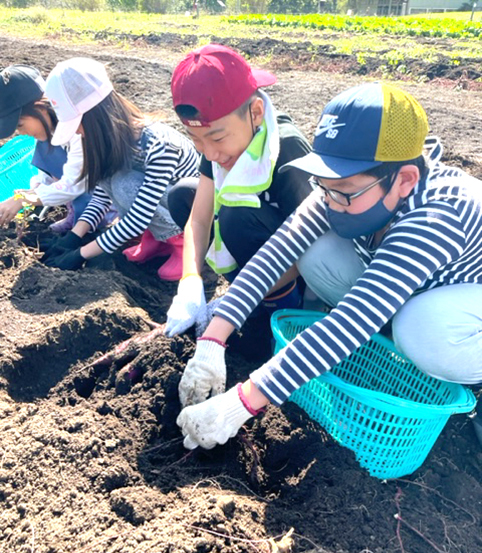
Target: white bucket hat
74 87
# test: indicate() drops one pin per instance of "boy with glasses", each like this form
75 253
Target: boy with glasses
388 235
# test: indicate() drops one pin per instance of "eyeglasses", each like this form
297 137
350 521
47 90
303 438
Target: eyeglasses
341 197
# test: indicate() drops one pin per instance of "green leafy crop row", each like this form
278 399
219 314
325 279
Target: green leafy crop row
402 26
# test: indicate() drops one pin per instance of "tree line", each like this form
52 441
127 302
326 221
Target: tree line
178 6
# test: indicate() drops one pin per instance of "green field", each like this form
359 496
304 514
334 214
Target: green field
393 40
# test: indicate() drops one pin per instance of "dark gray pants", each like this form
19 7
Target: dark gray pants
243 229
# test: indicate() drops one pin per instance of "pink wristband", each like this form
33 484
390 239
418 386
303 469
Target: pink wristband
245 402
215 340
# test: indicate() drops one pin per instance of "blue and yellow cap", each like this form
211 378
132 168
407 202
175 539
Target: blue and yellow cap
362 128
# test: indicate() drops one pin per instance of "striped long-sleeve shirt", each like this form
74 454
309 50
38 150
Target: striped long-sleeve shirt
164 156
435 239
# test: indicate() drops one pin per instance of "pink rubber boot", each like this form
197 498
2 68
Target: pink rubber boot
147 249
172 268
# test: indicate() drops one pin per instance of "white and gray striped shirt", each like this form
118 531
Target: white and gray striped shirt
434 240
164 155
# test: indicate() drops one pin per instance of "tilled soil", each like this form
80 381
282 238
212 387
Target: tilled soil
91 459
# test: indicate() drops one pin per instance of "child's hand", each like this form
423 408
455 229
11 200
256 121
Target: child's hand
187 304
70 260
205 316
61 245
214 421
8 209
204 374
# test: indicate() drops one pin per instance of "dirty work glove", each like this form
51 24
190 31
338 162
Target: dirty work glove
204 373
213 421
205 316
186 305
58 246
69 260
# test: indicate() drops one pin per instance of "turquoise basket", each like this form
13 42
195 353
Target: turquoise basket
375 402
15 167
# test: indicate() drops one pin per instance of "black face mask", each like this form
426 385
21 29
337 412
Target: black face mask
349 225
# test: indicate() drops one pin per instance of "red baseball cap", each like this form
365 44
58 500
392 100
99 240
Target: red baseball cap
216 81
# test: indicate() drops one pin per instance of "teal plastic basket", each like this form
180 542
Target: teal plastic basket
376 402
15 167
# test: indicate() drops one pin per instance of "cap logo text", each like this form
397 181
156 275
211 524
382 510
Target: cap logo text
328 126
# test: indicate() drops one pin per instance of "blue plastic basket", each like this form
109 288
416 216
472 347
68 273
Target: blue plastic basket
15 167
376 402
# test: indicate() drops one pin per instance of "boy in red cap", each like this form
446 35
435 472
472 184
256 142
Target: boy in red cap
243 142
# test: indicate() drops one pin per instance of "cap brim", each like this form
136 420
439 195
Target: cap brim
329 167
65 131
9 123
263 78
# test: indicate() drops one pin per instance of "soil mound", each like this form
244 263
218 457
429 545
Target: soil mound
91 459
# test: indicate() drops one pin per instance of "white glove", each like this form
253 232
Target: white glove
213 421
206 315
186 305
204 373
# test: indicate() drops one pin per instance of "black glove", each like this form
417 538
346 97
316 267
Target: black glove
59 246
69 259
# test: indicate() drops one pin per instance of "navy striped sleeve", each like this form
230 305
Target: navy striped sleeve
273 259
96 209
418 248
160 165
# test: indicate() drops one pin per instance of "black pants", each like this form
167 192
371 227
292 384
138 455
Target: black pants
243 229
